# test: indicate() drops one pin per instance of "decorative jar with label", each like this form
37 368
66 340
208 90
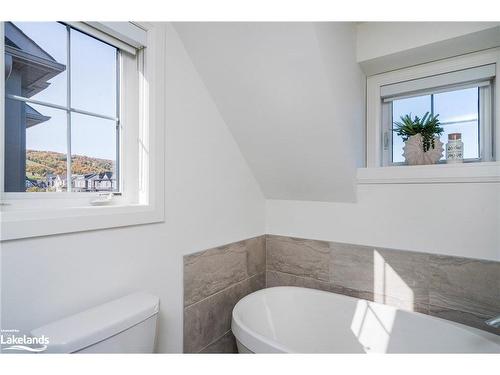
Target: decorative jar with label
455 148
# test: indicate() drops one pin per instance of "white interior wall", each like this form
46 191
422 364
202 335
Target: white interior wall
211 199
386 46
378 39
451 219
292 96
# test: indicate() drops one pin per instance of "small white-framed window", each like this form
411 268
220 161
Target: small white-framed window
127 91
462 101
462 90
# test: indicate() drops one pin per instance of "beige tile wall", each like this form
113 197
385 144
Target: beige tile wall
214 280
459 289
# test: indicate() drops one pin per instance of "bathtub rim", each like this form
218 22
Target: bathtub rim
250 339
240 330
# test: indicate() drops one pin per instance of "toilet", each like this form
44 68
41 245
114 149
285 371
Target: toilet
125 325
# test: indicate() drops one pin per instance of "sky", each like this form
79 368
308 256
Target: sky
93 79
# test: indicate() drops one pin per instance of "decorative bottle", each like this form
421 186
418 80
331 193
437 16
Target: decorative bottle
455 148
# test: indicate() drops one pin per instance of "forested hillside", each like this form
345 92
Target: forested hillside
40 163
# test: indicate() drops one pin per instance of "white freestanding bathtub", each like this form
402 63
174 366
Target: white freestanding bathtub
300 320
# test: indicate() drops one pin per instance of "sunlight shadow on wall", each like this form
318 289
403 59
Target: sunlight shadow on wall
388 287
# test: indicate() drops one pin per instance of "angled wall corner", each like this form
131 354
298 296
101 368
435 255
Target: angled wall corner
386 46
292 95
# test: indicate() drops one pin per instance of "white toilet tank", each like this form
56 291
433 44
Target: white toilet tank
125 325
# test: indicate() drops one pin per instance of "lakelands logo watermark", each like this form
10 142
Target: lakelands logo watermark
11 340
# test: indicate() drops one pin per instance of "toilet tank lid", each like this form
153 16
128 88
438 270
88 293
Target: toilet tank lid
98 323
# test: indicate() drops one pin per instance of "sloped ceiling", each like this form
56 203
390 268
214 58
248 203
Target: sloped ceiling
292 95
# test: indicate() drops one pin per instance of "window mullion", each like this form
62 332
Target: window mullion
68 110
118 121
485 124
386 134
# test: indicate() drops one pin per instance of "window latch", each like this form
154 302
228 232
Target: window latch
386 141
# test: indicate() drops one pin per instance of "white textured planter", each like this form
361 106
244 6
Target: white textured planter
413 151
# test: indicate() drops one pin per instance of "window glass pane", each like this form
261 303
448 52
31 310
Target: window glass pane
35 148
35 59
458 113
470 137
459 105
416 106
93 153
397 149
93 74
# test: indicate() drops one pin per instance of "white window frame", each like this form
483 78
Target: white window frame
376 173
142 158
374 103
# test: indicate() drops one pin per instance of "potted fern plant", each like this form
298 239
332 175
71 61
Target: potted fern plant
421 137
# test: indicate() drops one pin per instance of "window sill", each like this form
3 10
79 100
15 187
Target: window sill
24 223
485 172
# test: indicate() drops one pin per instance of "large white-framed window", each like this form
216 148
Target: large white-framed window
137 142
470 79
62 113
